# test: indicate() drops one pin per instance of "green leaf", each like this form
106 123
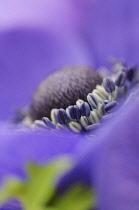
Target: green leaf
42 181
36 192
43 208
79 197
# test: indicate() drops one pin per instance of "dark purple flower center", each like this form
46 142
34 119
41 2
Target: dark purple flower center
62 89
56 96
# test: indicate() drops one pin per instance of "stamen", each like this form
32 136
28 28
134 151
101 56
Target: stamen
85 109
53 116
85 116
94 118
91 127
38 124
79 102
62 117
76 127
109 85
74 112
48 123
92 101
85 112
131 73
121 78
107 107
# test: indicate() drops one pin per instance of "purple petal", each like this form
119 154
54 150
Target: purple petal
12 204
19 149
46 14
36 38
26 57
111 164
117 160
111 29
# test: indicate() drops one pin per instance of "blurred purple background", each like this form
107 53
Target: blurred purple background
37 37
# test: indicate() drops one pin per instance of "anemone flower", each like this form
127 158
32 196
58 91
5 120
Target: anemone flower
52 170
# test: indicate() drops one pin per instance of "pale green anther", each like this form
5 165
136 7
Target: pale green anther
75 126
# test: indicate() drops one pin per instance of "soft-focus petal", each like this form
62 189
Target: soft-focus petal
26 57
12 204
117 163
111 29
112 162
60 16
36 38
19 149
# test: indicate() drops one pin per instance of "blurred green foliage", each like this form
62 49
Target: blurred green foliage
38 192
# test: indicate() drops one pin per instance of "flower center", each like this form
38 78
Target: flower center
57 95
62 89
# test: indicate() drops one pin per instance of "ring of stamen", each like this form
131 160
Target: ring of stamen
85 116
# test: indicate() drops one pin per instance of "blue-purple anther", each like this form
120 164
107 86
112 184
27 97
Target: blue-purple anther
85 109
74 112
121 78
130 73
109 106
92 100
92 127
48 122
109 85
62 117
106 102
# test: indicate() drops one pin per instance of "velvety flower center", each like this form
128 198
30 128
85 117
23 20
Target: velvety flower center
56 96
62 89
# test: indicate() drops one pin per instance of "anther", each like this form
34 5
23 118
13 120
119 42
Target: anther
48 122
74 112
39 124
92 101
62 117
106 102
131 73
109 106
109 85
85 109
121 78
91 127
